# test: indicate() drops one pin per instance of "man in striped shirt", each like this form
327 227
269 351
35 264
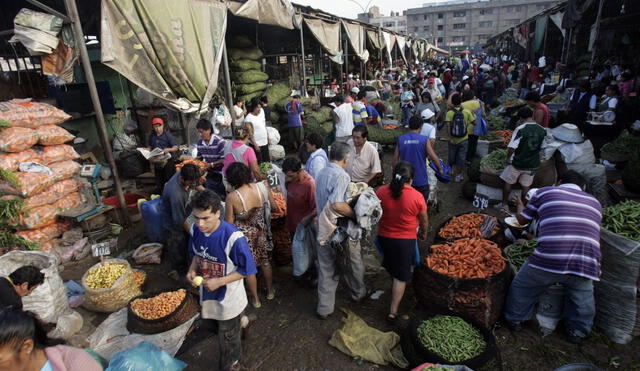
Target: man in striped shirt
568 253
211 150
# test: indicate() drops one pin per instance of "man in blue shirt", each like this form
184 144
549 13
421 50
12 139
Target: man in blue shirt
414 148
161 138
220 254
294 121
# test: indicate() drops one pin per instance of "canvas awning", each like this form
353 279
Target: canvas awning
375 38
389 42
356 35
171 48
272 12
402 42
328 35
438 50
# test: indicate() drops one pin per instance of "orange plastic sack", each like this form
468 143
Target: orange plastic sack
49 195
52 134
27 114
11 161
45 233
64 169
69 202
57 153
17 139
35 218
28 184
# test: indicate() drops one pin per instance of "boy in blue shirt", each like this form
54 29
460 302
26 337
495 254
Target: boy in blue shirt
220 253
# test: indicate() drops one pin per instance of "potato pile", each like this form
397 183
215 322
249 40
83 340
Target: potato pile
158 306
104 276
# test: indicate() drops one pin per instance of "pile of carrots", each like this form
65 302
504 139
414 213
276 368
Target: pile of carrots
281 203
506 136
466 258
465 225
389 127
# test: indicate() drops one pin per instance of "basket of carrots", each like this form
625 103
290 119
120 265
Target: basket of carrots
464 225
506 137
468 276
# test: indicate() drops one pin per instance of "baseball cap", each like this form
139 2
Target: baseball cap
431 80
157 121
355 90
427 114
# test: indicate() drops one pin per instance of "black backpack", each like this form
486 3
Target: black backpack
458 126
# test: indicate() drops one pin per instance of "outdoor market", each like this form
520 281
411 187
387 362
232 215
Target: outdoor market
258 184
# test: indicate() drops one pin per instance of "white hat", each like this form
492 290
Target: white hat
485 67
567 133
530 194
427 114
447 69
355 90
350 75
465 77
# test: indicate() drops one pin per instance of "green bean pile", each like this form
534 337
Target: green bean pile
491 136
623 219
519 252
496 160
451 338
624 145
434 368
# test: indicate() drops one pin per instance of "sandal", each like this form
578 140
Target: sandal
392 317
272 295
256 305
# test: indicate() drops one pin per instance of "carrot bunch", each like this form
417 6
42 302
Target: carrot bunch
200 164
466 258
465 225
278 197
389 127
506 136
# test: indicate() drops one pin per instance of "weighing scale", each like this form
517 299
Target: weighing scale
92 173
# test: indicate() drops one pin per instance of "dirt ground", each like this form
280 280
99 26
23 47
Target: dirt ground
288 336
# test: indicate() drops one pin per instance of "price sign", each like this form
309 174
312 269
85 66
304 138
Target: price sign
101 249
480 201
272 178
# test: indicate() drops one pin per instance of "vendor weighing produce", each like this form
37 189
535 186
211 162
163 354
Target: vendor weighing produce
568 252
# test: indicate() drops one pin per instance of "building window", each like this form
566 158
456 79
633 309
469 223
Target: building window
440 27
425 17
460 13
513 22
486 11
425 28
402 23
440 15
541 6
389 24
518 8
458 39
440 40
415 29
510 9
459 26
485 24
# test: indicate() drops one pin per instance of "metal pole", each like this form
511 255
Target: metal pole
72 10
346 57
595 42
304 71
227 82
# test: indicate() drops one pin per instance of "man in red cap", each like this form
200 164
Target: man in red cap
161 138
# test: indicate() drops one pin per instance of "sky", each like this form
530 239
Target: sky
350 9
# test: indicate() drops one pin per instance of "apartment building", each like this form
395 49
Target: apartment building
467 24
395 22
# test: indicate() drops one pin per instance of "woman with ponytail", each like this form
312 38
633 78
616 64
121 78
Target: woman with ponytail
403 210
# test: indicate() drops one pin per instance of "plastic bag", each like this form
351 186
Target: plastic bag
35 218
276 152
28 184
65 169
49 300
148 253
11 160
112 298
69 323
69 202
52 194
57 153
273 135
53 134
302 249
45 233
16 139
144 357
27 114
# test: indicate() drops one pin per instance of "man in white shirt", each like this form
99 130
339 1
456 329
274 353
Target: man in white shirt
364 161
260 139
343 119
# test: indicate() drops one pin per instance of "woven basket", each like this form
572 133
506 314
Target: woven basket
184 312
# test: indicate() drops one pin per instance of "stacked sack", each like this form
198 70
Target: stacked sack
31 201
249 81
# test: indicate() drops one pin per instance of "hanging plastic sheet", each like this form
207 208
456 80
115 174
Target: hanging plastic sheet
402 42
557 20
328 35
272 12
171 48
541 28
389 42
376 39
356 36
575 11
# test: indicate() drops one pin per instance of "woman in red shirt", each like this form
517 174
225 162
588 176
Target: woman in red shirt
403 209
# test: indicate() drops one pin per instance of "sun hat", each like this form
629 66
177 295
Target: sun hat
568 133
355 90
427 114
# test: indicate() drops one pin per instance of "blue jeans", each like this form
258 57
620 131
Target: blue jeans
530 283
458 153
407 112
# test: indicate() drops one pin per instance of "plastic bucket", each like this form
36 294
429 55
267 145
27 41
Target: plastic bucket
131 200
